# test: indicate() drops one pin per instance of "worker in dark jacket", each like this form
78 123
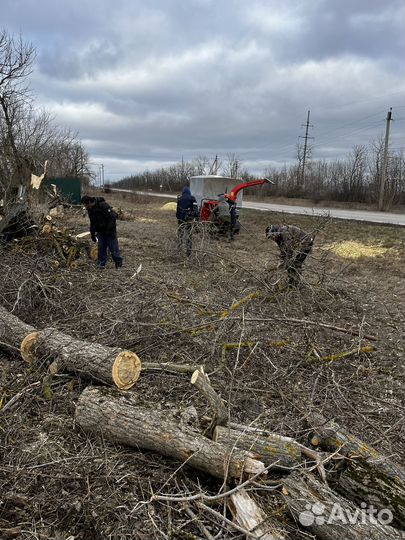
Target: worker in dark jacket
186 213
187 208
294 245
103 229
235 224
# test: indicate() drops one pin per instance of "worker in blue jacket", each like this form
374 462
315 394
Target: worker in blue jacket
187 208
186 213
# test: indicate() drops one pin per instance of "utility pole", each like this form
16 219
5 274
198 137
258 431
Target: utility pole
182 173
307 125
102 175
384 161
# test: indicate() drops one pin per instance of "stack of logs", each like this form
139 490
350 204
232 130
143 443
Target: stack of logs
336 470
67 249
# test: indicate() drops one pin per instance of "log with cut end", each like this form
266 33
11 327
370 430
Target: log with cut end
118 418
368 475
110 365
322 512
280 452
247 513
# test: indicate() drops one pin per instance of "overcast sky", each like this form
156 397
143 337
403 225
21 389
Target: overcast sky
146 83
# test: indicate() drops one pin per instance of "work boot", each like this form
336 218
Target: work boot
118 264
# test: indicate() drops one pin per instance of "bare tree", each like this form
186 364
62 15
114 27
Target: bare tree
16 60
201 165
354 178
28 137
232 167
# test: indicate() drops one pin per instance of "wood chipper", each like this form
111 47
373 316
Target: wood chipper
207 189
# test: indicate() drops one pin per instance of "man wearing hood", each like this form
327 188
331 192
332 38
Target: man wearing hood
186 213
187 208
221 215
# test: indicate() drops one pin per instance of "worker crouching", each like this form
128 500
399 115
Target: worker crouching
221 216
294 245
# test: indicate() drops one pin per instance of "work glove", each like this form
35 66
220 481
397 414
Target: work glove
93 237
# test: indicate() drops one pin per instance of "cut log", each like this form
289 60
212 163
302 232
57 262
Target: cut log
251 517
118 418
368 475
110 365
280 452
219 411
320 511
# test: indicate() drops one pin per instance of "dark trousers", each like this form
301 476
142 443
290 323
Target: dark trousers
225 227
108 242
184 237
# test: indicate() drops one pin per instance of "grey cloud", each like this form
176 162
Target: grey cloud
149 81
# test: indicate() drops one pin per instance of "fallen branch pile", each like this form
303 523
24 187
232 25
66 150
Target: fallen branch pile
335 470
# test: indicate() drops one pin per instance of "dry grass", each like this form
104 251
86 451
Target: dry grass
225 307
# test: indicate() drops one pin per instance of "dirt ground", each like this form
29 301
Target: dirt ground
272 353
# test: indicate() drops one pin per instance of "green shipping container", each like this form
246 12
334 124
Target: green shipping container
70 189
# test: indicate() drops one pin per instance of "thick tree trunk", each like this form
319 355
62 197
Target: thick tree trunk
320 511
368 476
280 452
110 365
118 418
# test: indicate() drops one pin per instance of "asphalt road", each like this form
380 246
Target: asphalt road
338 213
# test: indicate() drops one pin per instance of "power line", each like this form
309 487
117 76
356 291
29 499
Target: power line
346 134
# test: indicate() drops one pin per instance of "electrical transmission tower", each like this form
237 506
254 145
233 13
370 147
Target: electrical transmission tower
304 157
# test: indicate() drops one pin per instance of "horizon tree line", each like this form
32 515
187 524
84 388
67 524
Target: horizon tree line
354 179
